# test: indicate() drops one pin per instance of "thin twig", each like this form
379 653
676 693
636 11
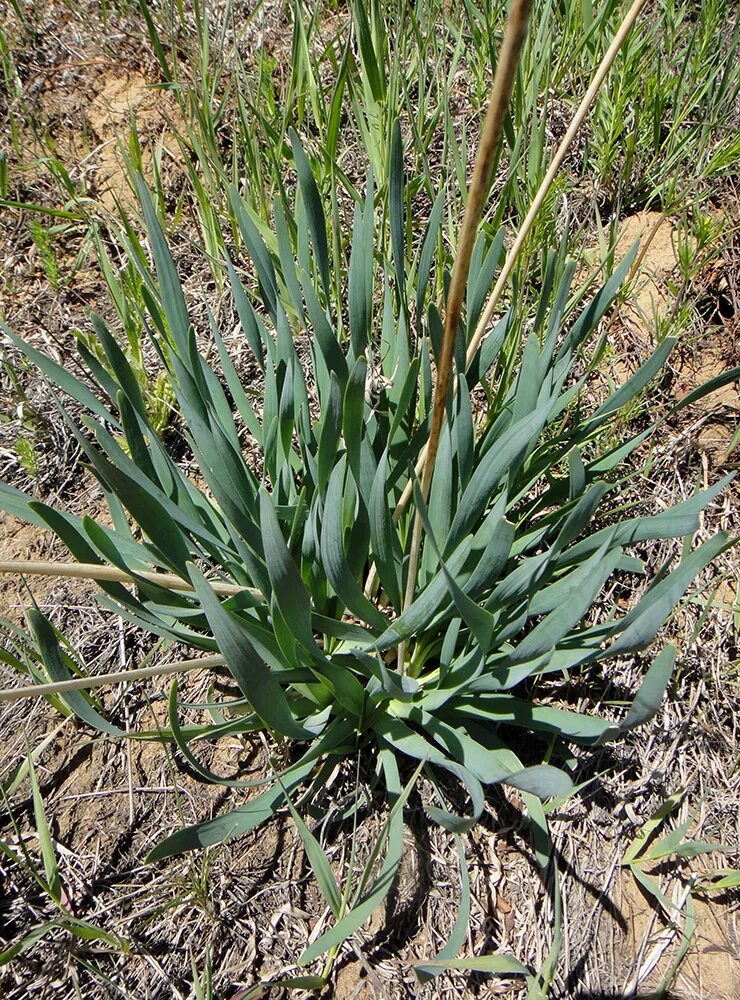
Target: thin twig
101 680
93 571
503 83
577 121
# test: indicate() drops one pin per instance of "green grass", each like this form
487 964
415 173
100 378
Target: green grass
661 132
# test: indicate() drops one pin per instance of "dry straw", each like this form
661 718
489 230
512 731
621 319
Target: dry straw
511 258
503 83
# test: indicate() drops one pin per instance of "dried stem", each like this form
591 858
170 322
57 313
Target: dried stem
93 571
573 129
503 82
577 121
101 680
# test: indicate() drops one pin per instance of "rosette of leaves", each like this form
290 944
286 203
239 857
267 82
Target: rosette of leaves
521 529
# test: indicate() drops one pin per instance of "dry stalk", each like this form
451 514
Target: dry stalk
120 677
93 571
503 83
578 119
511 258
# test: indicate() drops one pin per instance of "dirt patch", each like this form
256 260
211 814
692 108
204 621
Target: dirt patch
28 542
717 413
634 330
123 101
711 969
351 984
656 261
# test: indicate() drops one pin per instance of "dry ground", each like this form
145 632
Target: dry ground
250 907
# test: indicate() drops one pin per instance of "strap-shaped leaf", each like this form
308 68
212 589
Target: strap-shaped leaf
180 737
353 417
707 388
439 509
434 597
254 677
594 311
492 965
459 932
77 701
576 473
318 862
640 626
369 61
495 536
676 522
287 260
527 386
480 621
383 536
634 385
556 595
61 377
557 311
453 821
403 410
399 735
98 371
428 246
287 586
69 528
647 700
326 337
489 766
490 349
330 434
148 507
258 809
394 344
576 598
247 318
241 400
119 364
258 252
464 431
482 270
137 445
372 897
333 555
170 289
361 273
314 211
519 712
396 209
491 470
542 780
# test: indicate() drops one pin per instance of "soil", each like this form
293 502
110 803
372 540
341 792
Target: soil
711 969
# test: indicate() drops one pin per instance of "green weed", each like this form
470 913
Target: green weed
512 558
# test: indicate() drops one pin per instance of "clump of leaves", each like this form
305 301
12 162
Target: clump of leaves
297 568
518 542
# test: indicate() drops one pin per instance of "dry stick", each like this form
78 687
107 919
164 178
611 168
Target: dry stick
121 677
503 82
93 571
575 125
513 254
